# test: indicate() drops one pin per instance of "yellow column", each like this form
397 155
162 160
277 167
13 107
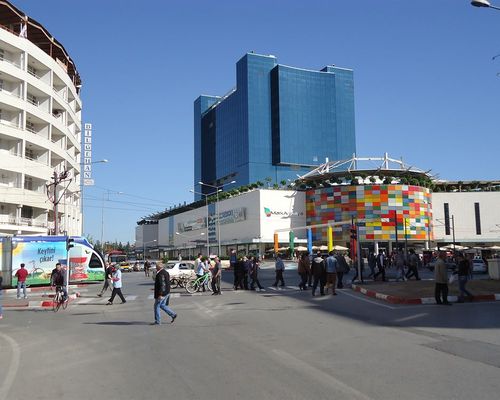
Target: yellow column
330 238
276 243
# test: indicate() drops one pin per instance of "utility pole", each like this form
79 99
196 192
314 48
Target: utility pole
56 199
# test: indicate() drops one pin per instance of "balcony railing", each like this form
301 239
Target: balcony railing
8 123
10 93
11 220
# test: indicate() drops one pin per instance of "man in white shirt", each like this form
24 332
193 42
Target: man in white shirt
117 286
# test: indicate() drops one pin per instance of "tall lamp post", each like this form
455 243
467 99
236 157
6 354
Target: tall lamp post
144 248
208 216
218 189
483 3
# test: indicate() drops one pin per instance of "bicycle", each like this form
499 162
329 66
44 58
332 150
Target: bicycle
194 285
59 300
180 281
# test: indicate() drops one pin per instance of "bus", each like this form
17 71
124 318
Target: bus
118 257
40 254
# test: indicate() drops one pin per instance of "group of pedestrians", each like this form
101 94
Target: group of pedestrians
406 267
246 272
325 272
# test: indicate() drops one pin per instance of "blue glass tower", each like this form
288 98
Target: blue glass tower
279 122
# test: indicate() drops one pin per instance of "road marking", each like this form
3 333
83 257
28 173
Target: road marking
85 300
322 377
130 298
411 317
151 297
368 301
13 367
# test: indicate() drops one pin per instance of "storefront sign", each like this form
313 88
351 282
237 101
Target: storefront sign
286 214
192 225
232 216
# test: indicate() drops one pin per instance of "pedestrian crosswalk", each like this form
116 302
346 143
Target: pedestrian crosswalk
89 299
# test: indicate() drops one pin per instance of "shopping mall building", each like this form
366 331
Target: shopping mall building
390 204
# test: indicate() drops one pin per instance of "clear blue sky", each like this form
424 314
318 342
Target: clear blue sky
426 87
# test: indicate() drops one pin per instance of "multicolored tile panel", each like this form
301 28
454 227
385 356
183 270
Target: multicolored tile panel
379 206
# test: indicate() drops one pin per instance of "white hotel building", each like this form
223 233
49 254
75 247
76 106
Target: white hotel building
40 128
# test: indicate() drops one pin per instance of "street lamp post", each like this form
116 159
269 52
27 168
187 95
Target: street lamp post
206 203
483 3
218 189
144 248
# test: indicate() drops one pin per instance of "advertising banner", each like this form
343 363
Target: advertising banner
40 259
192 225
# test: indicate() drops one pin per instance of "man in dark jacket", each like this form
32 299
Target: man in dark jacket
57 279
318 272
162 294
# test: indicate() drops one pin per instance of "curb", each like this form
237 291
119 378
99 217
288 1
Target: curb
38 303
42 288
420 300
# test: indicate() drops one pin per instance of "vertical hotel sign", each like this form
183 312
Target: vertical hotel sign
87 156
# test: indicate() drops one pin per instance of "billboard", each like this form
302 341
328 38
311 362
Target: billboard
41 257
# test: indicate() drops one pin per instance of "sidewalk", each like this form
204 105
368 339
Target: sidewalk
422 292
38 297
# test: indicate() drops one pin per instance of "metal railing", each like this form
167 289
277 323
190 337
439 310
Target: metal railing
12 220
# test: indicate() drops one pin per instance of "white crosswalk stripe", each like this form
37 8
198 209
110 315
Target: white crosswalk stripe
130 298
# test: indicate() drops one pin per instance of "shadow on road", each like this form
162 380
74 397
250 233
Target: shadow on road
478 315
117 323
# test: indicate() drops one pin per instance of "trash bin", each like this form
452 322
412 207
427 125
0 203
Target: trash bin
494 268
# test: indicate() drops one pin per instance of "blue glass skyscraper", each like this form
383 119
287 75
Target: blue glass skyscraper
279 122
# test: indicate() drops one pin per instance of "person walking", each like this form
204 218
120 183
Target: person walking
21 276
1 280
463 272
216 272
331 273
372 263
441 278
412 265
147 267
233 260
254 273
381 263
107 279
279 267
399 262
342 268
247 268
303 269
318 271
117 285
162 294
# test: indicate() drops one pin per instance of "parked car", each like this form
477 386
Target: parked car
479 266
175 269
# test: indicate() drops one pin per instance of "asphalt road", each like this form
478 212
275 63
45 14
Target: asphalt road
277 344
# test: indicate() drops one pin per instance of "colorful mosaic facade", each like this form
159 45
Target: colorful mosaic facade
378 205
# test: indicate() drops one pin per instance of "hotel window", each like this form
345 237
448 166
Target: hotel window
446 219
2 54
